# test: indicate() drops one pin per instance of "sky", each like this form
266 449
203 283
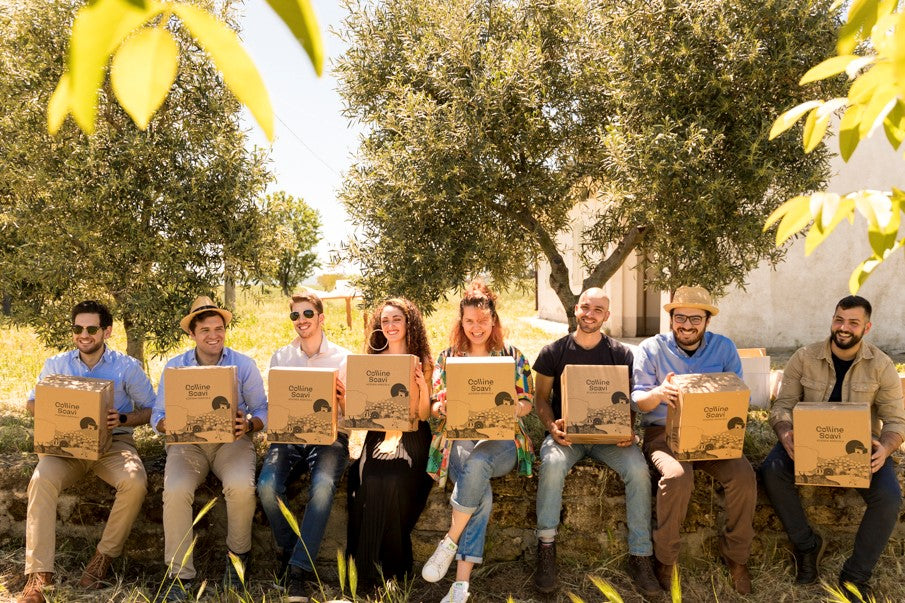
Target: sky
313 142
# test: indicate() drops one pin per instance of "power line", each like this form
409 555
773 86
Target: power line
302 142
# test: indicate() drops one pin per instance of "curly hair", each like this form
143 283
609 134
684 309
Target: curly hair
477 295
415 333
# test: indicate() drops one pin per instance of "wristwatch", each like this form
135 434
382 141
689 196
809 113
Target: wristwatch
123 418
249 423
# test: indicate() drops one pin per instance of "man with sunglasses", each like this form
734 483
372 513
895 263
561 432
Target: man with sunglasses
690 348
233 463
120 466
285 463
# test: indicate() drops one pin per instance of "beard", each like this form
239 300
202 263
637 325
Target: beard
683 341
589 328
845 345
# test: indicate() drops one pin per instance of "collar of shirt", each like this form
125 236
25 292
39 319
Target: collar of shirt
76 356
192 358
671 343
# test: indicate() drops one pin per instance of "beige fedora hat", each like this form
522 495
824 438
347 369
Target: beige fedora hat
692 297
201 304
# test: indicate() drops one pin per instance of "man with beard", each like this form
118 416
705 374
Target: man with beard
587 345
842 368
120 466
285 463
690 348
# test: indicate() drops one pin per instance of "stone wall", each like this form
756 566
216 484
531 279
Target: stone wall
593 516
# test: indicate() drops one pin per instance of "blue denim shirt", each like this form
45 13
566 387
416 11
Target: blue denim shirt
132 389
659 355
252 398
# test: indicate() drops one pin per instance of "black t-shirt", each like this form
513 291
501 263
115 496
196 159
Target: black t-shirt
841 367
554 357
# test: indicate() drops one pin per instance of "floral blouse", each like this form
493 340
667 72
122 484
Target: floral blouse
438 460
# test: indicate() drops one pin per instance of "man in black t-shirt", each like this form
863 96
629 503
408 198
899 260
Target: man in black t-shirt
842 368
587 345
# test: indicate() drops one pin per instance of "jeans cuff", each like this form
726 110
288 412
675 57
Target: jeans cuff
469 558
545 532
641 552
462 508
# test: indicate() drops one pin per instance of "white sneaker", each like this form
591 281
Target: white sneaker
458 593
437 566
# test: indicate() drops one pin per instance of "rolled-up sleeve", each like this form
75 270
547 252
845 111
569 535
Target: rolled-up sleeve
644 376
138 387
251 389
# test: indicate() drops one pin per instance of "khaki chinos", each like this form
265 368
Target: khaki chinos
120 466
187 466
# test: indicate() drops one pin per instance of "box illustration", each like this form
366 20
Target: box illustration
381 393
595 403
201 403
710 417
71 416
480 398
301 405
832 444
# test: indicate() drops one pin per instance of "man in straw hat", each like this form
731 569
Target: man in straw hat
690 348
841 368
285 463
120 466
188 464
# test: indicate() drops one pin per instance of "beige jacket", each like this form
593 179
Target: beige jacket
872 379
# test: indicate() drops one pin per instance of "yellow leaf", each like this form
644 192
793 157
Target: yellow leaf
894 124
866 268
875 206
830 67
864 85
225 50
818 121
834 210
882 102
795 214
299 16
849 131
58 105
788 119
143 70
99 28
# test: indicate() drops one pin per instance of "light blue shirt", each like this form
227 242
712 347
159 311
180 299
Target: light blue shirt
659 355
132 389
252 398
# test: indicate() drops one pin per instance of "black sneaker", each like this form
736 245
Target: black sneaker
179 590
641 571
807 562
545 574
231 575
862 588
297 585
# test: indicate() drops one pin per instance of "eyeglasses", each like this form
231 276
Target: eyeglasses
294 316
681 318
92 330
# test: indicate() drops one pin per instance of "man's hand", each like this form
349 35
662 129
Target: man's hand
557 429
112 418
630 441
787 439
667 392
241 426
878 458
341 395
162 425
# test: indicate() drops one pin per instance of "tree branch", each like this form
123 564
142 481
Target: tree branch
608 266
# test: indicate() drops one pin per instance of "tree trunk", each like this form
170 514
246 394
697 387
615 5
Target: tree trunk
229 289
7 304
135 340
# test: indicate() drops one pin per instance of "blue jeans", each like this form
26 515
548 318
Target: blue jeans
471 465
628 462
284 464
883 498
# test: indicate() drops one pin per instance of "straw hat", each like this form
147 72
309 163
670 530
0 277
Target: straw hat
201 304
692 297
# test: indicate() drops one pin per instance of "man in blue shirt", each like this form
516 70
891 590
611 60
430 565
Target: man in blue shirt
690 348
188 464
120 466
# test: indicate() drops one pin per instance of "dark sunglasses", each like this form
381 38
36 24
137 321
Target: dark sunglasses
92 330
294 316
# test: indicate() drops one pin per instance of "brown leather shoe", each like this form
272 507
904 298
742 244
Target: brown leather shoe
34 587
664 574
741 579
96 571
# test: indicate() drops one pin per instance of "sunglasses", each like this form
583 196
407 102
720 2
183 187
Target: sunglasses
92 330
294 316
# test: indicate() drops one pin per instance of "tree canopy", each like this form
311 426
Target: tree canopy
298 226
142 220
489 125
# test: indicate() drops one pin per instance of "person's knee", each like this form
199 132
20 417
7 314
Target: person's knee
888 499
178 491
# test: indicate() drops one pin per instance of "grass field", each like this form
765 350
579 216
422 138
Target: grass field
262 326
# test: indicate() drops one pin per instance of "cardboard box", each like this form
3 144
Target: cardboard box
832 444
381 393
480 398
710 417
756 375
301 405
71 416
595 403
902 378
201 403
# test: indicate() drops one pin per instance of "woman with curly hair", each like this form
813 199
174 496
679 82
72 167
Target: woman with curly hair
388 486
471 464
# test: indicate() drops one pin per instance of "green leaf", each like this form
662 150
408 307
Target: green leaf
849 131
97 31
788 119
828 68
225 49
894 124
143 70
299 16
58 105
